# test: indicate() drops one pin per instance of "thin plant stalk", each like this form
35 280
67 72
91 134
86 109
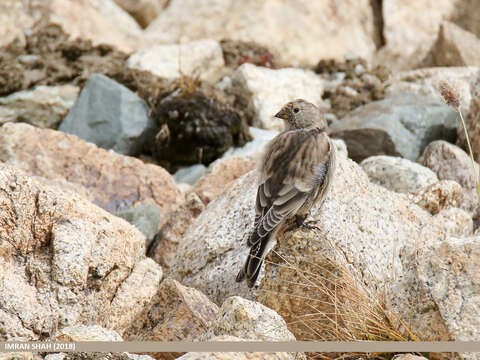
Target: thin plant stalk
475 172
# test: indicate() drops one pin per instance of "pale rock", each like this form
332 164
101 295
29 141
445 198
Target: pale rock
201 59
238 355
408 357
410 28
248 320
449 270
450 162
267 90
130 303
145 217
440 195
220 176
261 138
398 174
100 21
290 29
175 313
454 222
114 182
74 258
454 47
144 11
42 106
87 333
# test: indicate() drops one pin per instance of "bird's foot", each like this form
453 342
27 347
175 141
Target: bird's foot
311 225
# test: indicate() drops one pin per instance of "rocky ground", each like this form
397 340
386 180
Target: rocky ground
130 133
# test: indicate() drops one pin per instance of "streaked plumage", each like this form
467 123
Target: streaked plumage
295 173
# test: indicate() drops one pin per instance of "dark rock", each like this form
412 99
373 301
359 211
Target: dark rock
363 143
110 116
411 121
194 128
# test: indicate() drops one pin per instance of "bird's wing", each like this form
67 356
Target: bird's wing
294 167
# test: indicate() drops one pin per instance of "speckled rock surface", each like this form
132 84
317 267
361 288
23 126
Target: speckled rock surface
74 256
437 196
87 333
398 174
248 320
175 313
449 271
450 162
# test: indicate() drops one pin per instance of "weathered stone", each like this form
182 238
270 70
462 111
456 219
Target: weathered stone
114 182
176 313
449 270
43 106
201 59
450 162
110 116
454 47
220 176
74 257
238 355
397 174
438 196
454 222
189 174
87 333
163 248
346 26
410 29
100 21
267 90
411 121
248 320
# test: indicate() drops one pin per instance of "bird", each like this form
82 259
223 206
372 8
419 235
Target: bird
296 172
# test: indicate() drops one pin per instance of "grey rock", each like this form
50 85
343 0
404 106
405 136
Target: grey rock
397 174
190 174
110 116
145 217
261 137
450 162
403 124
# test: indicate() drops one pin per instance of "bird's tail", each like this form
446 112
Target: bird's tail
253 264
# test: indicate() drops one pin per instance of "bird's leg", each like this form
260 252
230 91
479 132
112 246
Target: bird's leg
310 224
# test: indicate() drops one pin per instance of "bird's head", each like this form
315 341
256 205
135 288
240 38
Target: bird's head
300 114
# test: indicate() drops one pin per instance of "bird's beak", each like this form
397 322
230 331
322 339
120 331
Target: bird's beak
282 114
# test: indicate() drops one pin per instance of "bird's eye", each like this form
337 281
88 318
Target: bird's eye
296 110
